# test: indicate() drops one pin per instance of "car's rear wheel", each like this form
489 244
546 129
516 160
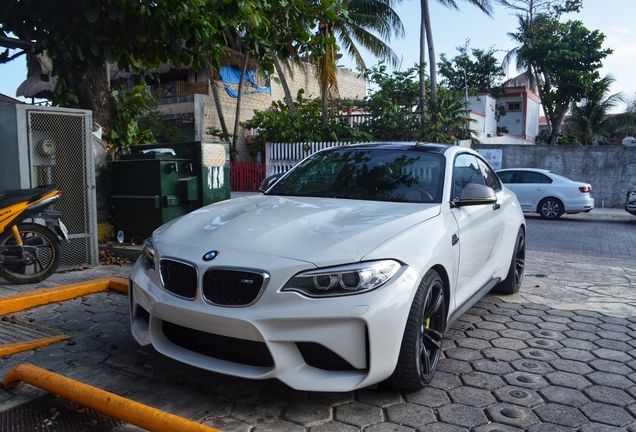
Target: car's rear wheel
550 208
512 283
422 342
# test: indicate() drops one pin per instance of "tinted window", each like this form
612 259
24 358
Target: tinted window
465 170
369 174
532 177
490 178
507 176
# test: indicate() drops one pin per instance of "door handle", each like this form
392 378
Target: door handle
496 206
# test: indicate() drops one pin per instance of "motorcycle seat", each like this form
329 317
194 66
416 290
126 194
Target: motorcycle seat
15 196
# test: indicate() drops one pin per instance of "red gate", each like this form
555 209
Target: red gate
246 176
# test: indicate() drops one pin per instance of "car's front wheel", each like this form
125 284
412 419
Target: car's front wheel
422 342
550 208
512 283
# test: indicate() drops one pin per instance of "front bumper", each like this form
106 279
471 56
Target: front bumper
327 344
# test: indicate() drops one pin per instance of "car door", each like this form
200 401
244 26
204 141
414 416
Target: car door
529 186
480 227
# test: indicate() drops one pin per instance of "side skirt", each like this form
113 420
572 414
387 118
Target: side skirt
472 300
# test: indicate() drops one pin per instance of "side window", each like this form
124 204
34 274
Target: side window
507 176
490 178
533 177
465 170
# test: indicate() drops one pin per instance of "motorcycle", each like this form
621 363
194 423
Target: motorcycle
30 234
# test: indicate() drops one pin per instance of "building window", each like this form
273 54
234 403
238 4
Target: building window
513 106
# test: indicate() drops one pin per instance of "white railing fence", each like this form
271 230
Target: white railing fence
281 157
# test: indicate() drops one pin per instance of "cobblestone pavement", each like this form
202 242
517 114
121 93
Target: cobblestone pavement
559 356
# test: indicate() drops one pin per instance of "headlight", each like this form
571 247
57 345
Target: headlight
148 254
343 280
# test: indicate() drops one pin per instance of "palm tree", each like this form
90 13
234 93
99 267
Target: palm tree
365 19
591 121
426 35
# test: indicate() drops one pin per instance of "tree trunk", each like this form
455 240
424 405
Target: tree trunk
422 64
283 83
238 102
91 88
217 102
431 51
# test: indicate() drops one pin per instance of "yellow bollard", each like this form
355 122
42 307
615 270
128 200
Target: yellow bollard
121 408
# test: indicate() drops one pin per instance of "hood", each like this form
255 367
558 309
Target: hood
315 230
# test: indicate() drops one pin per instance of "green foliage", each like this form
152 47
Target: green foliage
279 124
484 74
125 130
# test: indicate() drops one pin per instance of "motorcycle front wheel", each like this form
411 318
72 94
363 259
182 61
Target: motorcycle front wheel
38 265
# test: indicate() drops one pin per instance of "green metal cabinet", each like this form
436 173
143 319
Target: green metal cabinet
157 183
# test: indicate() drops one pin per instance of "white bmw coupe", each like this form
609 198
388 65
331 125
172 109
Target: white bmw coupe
344 273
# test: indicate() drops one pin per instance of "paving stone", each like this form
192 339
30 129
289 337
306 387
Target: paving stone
279 426
610 380
581 334
359 414
463 354
501 354
572 366
483 334
496 427
441 427
608 354
615 344
607 414
471 396
608 395
557 320
388 427
518 396
508 343
531 366
566 379
482 380
543 343
227 424
585 325
497 318
379 397
334 426
489 325
561 415
307 414
429 397
455 367
575 354
256 413
473 343
492 366
559 312
332 398
546 333
564 396
410 414
580 344
598 427
609 366
548 427
525 380
529 319
538 354
462 415
512 415
619 328
444 381
522 326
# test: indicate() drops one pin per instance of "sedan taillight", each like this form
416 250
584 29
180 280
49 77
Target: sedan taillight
584 189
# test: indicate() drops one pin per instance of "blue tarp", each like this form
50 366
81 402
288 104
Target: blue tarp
232 75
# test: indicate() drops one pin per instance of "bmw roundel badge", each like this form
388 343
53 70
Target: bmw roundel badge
209 256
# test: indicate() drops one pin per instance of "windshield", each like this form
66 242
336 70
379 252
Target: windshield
366 174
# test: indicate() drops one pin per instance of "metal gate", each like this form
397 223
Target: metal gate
61 152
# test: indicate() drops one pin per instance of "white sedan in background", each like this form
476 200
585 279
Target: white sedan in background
549 194
345 272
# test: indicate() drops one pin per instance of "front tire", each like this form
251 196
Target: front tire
550 208
512 283
44 261
422 342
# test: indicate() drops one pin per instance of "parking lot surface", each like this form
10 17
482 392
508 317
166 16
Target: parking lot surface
560 355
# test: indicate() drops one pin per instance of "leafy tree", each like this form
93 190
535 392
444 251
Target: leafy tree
590 121
81 36
482 75
566 56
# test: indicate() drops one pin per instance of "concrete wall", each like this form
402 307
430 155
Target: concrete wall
611 170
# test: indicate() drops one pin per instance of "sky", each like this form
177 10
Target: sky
614 18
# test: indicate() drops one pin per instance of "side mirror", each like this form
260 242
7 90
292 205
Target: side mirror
269 182
476 194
